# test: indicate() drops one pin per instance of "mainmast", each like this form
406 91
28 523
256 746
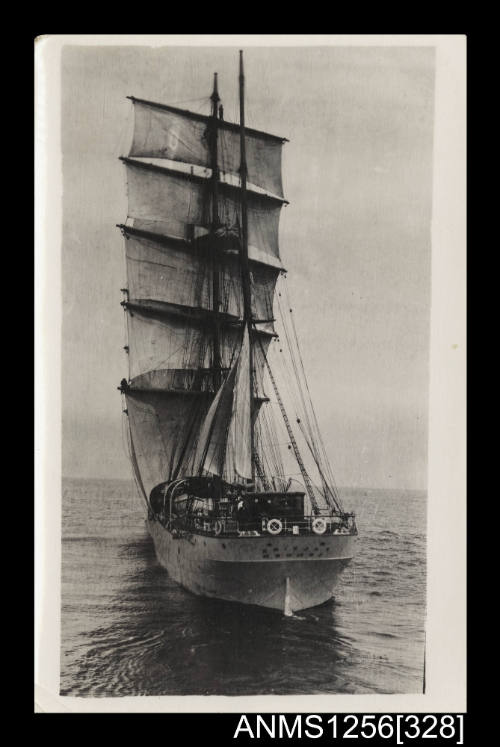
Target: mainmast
245 269
216 361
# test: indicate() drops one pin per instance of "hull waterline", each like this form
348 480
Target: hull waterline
283 573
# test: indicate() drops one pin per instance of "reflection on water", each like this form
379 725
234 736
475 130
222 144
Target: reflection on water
128 629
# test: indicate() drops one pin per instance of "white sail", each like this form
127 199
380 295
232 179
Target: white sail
212 440
179 272
161 424
239 442
173 203
179 135
157 343
224 446
181 338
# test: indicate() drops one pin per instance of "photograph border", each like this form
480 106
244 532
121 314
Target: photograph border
445 657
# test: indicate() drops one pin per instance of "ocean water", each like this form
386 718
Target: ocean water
128 629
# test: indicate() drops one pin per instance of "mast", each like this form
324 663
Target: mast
173 377
216 361
245 269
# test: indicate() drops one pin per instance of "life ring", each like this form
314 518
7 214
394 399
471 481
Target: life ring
274 526
319 525
217 528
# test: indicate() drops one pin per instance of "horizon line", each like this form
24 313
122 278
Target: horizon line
339 487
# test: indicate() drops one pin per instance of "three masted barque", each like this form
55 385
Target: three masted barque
201 240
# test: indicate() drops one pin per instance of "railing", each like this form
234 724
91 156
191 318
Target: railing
267 527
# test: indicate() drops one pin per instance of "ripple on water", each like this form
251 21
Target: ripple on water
128 629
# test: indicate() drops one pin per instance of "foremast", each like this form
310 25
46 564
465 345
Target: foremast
214 163
245 269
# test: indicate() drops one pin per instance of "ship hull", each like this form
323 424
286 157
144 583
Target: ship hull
284 573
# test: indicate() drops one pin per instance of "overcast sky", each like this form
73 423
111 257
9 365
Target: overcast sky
355 238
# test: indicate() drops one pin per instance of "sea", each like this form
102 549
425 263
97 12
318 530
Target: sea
129 629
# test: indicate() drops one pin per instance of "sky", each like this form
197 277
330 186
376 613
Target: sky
355 237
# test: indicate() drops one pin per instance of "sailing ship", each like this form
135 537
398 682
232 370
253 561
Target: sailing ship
201 240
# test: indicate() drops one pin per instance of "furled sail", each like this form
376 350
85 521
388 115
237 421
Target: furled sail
224 446
178 135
